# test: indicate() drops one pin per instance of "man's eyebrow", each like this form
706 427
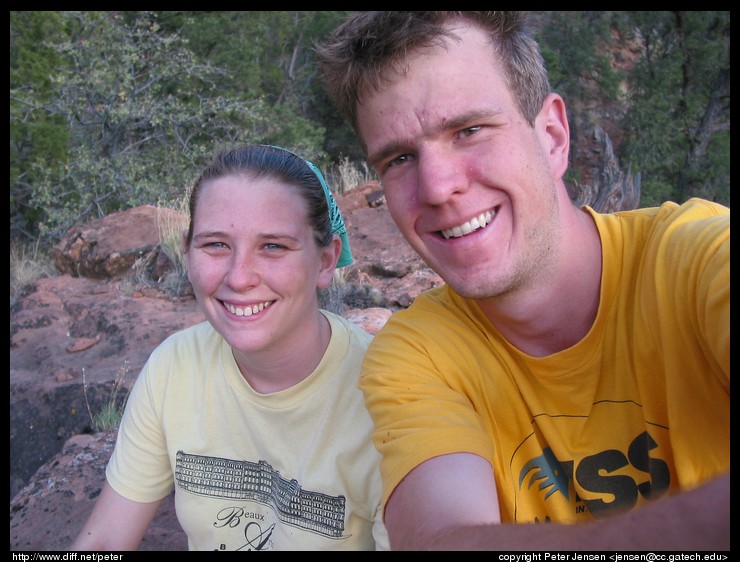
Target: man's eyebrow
469 118
458 122
386 151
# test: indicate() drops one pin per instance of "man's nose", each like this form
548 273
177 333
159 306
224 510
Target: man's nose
440 175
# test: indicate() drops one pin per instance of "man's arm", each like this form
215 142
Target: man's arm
427 512
115 523
430 502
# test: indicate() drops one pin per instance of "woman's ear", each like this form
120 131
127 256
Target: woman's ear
185 251
329 258
184 241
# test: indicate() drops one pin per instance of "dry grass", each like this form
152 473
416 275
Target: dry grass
27 264
110 413
348 175
171 222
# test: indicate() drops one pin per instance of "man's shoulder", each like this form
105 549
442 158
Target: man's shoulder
694 208
436 299
696 222
432 312
669 219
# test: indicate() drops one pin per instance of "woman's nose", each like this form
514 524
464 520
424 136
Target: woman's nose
243 273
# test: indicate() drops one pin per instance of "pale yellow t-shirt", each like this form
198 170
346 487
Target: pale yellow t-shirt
292 470
638 408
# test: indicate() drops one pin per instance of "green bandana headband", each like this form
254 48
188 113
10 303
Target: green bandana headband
337 222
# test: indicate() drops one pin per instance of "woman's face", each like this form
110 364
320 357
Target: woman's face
254 263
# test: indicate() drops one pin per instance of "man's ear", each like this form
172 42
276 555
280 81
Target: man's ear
552 125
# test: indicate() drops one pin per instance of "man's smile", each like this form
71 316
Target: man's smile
469 226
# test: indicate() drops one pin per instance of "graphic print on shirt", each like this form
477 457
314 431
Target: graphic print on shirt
244 481
606 479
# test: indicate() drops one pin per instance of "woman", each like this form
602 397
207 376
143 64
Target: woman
254 416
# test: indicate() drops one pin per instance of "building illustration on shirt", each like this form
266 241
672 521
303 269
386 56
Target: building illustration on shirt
260 482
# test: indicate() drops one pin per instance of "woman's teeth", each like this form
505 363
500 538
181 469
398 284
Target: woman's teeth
249 310
466 228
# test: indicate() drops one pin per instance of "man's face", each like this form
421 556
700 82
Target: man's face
469 183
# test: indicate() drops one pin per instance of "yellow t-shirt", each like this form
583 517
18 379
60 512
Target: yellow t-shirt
291 470
637 409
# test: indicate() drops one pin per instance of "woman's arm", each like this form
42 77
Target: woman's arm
115 523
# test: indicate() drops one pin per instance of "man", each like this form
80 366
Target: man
575 367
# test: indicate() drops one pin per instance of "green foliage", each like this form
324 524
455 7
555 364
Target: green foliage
143 115
679 119
302 136
37 140
578 48
714 172
270 55
577 51
110 110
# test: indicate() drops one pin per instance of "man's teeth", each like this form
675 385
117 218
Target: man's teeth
473 224
249 310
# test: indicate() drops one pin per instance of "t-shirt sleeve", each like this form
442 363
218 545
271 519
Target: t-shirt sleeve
419 403
693 258
139 468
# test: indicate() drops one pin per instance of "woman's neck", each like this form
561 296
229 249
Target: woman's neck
286 364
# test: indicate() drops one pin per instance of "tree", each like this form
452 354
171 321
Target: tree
114 109
142 115
578 48
678 125
270 57
36 138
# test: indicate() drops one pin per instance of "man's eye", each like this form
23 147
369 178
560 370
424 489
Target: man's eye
400 160
470 131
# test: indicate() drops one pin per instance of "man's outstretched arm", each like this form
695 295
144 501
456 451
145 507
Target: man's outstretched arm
429 510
